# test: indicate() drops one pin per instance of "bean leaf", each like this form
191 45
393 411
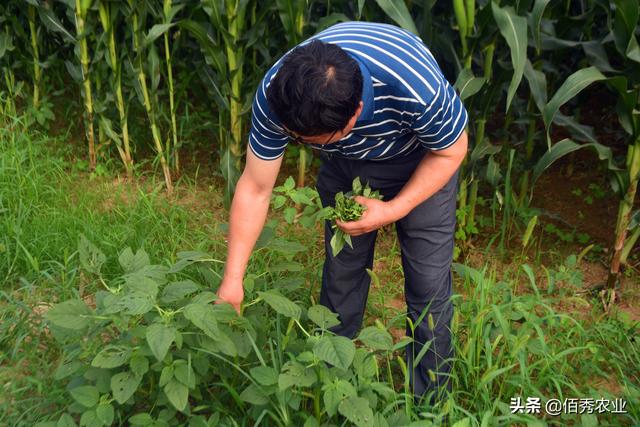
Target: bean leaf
159 338
336 350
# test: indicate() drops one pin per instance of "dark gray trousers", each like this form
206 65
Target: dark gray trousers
426 241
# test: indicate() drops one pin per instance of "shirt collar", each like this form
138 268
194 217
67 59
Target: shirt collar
367 93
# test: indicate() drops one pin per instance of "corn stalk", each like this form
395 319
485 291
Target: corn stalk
624 214
80 12
293 20
169 12
37 71
144 91
107 18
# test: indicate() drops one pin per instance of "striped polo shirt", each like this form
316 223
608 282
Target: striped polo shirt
407 102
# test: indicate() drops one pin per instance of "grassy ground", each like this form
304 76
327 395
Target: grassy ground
520 331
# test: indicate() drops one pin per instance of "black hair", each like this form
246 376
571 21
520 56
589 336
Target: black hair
316 90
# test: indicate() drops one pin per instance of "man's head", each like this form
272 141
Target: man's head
317 92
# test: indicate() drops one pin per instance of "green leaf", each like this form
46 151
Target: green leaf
465 422
336 392
177 393
281 304
336 350
254 395
89 419
175 291
537 85
514 30
156 31
141 284
565 147
289 215
337 242
322 316
186 258
132 263
398 11
265 375
204 318
296 374
364 364
185 374
136 303
65 420
6 43
51 21
536 18
112 357
230 173
159 337
139 364
72 314
575 83
105 413
376 338
492 373
91 258
142 419
289 183
286 246
356 410
578 131
467 84
266 236
286 266
86 395
123 385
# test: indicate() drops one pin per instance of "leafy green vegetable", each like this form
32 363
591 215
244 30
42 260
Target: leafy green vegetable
346 210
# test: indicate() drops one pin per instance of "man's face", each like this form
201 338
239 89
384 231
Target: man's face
331 137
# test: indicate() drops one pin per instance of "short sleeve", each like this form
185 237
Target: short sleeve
265 139
443 120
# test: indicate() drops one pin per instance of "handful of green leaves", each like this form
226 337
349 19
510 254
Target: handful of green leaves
347 209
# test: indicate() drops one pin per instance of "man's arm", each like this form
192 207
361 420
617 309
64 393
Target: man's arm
432 173
246 220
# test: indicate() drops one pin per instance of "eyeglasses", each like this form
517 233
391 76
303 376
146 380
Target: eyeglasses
297 139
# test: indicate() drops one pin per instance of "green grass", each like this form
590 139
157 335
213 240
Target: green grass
512 335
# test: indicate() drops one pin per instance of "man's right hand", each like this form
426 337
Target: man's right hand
246 218
232 292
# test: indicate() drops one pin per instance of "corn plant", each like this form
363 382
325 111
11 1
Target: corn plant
81 11
292 15
109 14
148 58
224 75
169 11
627 86
37 71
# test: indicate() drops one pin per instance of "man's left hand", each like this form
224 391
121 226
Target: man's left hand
377 214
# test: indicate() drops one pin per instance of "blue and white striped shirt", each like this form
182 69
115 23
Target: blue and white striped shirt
408 103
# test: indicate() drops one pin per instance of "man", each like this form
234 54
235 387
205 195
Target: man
373 100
